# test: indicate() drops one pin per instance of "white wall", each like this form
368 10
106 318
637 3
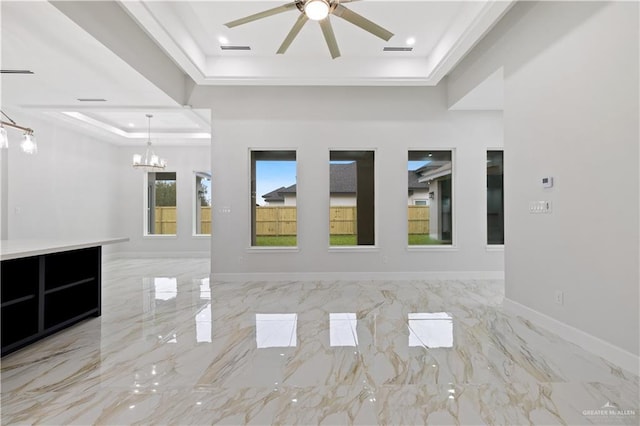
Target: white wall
418 195
184 161
390 121
67 190
571 112
338 200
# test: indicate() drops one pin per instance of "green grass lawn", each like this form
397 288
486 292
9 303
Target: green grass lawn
280 241
422 240
343 240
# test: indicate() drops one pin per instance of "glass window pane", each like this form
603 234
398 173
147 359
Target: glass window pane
495 197
161 203
273 198
202 220
430 204
351 191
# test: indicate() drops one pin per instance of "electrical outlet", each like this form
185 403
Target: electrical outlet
559 297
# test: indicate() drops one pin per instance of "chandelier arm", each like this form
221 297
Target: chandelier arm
8 118
15 126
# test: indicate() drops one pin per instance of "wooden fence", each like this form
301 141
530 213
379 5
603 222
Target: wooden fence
165 220
282 220
343 220
205 220
276 220
418 220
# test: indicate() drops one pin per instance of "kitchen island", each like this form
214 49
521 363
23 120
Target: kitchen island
48 285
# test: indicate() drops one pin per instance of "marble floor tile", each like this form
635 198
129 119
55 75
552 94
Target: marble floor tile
171 347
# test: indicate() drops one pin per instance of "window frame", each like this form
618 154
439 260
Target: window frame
146 208
492 247
251 227
454 209
195 205
376 190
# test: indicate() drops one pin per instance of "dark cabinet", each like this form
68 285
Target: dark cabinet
44 294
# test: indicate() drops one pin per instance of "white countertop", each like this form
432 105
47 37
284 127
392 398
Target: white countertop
15 249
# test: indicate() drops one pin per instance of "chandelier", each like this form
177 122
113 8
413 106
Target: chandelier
149 161
28 144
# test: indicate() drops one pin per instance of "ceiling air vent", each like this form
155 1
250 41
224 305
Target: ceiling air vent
16 72
235 47
397 49
92 100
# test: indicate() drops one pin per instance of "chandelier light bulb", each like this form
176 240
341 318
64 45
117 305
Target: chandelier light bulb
28 144
4 139
316 10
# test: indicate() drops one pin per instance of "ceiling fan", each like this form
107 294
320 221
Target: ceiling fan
317 10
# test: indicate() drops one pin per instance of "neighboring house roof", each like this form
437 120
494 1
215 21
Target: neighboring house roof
414 182
343 178
274 195
343 181
434 170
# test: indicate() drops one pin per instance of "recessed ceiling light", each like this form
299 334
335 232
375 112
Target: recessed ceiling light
411 41
223 40
131 124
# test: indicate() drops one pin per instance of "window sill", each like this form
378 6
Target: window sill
201 236
354 249
495 247
160 237
442 248
272 249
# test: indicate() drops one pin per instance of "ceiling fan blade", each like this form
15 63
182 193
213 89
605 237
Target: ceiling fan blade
264 14
330 37
302 19
362 22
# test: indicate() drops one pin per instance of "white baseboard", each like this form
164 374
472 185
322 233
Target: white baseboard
593 344
357 276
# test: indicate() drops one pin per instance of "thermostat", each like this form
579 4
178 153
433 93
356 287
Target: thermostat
547 182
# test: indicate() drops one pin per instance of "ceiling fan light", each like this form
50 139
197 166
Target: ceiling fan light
316 10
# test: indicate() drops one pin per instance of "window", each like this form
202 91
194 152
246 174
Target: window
430 203
161 203
273 198
352 196
202 207
495 197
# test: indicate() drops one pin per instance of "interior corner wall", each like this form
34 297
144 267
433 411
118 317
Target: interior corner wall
184 161
571 112
64 191
314 120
